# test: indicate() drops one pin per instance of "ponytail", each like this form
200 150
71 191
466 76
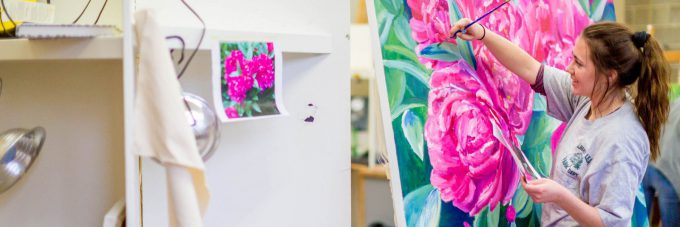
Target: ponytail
651 99
636 57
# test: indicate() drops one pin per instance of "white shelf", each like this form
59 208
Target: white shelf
61 49
102 48
298 42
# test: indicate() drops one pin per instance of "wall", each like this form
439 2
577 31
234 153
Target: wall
280 171
79 173
66 11
662 14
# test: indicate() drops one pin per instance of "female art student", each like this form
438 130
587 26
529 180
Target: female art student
611 133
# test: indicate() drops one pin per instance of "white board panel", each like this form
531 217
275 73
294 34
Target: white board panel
280 171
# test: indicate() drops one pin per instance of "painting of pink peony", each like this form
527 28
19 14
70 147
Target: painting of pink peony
247 80
440 97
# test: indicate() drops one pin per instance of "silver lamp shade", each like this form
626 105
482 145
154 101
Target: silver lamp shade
204 124
18 150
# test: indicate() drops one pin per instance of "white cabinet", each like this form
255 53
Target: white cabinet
282 171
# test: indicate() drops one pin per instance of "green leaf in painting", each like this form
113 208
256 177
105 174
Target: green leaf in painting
585 5
466 51
397 111
413 131
410 69
403 31
536 145
422 207
392 6
640 217
441 51
396 87
385 28
402 51
487 217
597 9
464 46
522 203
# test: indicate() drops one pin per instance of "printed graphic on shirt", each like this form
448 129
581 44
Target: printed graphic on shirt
573 162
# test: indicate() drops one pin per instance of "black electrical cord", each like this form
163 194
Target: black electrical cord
85 9
4 30
8 17
181 56
101 11
82 12
191 57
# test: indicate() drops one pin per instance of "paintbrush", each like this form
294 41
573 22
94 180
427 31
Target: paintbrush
523 164
478 19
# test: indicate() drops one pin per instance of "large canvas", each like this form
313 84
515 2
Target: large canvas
439 97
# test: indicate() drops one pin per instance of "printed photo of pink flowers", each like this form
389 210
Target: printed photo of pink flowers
247 82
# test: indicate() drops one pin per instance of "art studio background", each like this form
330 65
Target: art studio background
320 161
371 189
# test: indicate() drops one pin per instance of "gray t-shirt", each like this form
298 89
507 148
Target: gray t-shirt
602 161
669 160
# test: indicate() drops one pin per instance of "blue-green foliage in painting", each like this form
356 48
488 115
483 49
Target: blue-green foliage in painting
407 86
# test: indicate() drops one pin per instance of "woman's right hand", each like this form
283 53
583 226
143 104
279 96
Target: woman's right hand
474 32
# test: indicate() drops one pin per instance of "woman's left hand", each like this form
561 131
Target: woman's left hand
545 190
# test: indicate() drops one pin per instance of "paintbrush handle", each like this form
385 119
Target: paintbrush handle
478 19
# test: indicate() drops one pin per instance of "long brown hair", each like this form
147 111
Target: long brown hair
635 57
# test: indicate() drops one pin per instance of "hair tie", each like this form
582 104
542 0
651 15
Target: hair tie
640 38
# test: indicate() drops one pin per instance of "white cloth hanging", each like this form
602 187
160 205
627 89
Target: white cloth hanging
160 126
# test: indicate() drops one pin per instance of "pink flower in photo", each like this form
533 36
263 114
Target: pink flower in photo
239 84
247 68
231 112
270 47
238 87
264 68
233 61
470 167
